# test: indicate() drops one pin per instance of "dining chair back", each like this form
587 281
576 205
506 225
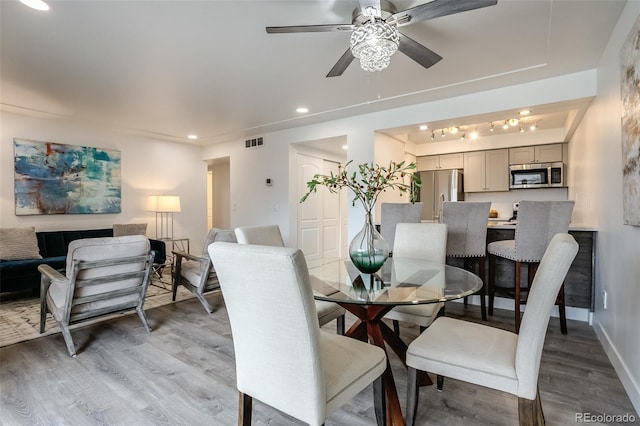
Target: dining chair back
269 235
538 222
424 241
393 213
299 369
492 357
467 238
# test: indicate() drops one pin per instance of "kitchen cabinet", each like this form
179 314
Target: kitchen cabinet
486 170
536 154
440 162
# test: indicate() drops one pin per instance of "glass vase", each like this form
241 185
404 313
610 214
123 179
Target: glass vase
368 250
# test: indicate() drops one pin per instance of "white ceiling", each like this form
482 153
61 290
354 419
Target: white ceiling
170 68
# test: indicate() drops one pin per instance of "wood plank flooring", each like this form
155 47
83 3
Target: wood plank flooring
183 374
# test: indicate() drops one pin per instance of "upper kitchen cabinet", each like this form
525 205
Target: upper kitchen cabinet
536 154
486 170
440 162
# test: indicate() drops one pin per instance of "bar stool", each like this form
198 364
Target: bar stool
392 214
467 238
538 222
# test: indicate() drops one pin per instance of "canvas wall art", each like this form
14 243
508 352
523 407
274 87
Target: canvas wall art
52 178
630 93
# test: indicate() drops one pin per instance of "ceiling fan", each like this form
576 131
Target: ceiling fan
375 36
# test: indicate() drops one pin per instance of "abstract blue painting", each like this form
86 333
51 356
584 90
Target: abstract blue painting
52 178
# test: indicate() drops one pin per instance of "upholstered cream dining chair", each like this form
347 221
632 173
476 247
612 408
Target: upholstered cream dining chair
269 235
425 241
103 276
196 273
467 238
538 222
299 369
492 357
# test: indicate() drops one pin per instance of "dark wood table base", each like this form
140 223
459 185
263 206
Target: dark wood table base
370 326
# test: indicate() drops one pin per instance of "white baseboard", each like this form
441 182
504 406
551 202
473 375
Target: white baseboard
578 314
628 382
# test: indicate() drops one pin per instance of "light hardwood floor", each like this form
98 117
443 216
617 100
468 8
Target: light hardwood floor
183 374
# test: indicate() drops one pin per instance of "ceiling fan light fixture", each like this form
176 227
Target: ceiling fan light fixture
374 43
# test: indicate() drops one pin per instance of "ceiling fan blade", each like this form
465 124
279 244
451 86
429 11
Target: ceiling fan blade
310 28
342 64
419 53
437 8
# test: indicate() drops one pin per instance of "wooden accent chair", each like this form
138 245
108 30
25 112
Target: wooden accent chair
103 276
299 369
426 241
467 238
196 273
538 222
491 357
269 235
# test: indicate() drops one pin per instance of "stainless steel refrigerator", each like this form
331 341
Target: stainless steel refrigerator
438 186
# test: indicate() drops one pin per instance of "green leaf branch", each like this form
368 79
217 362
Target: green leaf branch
368 182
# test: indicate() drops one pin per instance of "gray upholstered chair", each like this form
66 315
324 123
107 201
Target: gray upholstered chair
393 213
269 235
426 241
467 237
538 222
298 369
103 276
492 357
196 273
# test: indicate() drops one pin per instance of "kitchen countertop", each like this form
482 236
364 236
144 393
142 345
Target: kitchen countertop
502 224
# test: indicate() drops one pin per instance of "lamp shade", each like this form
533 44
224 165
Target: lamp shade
164 203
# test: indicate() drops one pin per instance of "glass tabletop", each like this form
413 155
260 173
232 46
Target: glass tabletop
401 281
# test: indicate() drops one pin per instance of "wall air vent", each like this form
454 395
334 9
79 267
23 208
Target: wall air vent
252 143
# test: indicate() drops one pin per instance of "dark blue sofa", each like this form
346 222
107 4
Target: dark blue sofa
21 275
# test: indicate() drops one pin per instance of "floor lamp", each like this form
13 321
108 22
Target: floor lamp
164 206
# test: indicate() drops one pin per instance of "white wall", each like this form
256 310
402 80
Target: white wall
596 157
149 167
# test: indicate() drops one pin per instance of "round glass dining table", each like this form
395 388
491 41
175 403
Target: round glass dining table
401 281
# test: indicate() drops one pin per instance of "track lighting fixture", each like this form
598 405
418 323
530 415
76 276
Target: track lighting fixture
432 135
491 126
505 125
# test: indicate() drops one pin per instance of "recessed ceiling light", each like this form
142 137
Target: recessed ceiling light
513 122
525 112
345 146
453 130
36 4
302 110
192 137
424 127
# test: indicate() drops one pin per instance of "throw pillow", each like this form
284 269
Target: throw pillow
120 230
19 244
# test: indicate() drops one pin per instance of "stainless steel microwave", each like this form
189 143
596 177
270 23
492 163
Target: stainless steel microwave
536 175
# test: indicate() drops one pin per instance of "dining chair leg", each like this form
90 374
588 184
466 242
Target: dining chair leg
379 401
530 411
412 396
483 290
516 298
396 327
340 325
561 310
245 403
492 282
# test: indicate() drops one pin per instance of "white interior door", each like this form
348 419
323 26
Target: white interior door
319 218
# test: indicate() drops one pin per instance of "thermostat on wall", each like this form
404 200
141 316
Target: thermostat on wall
268 182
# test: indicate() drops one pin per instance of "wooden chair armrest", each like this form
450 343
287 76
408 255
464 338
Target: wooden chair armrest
188 256
51 273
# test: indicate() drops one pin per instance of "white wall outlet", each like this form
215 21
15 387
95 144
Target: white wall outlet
604 299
